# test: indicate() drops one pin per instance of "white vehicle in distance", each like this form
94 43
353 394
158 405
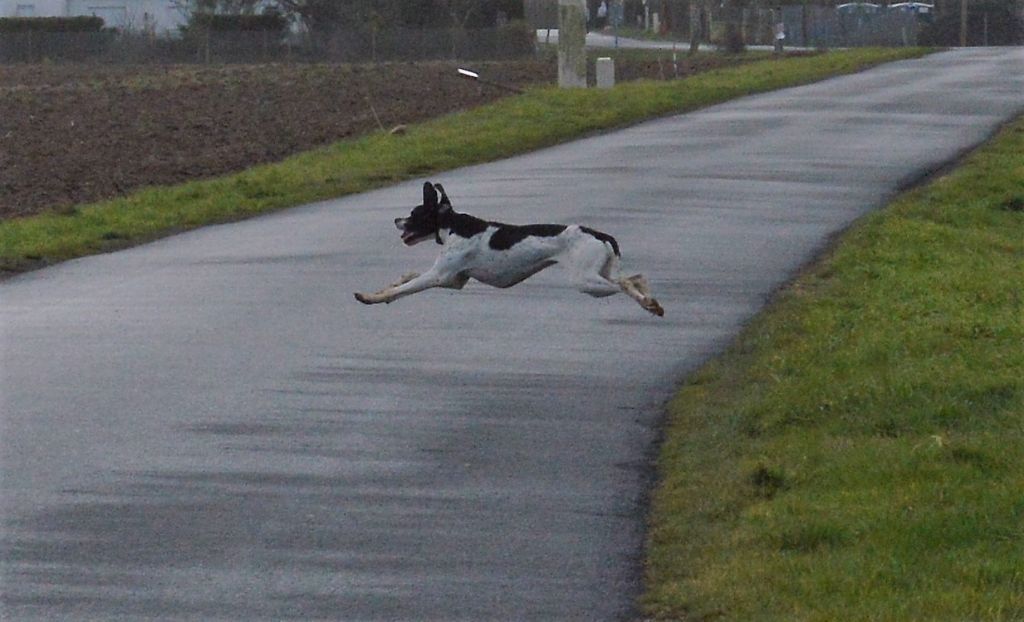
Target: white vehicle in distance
920 9
851 8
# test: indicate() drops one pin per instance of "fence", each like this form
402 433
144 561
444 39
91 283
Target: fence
362 45
415 44
810 26
34 46
814 26
825 27
806 26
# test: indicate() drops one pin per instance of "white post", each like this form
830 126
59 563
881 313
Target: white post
605 73
780 29
572 44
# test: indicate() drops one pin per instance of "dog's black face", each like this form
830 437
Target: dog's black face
424 222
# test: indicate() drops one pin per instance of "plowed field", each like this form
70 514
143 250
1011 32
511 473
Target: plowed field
72 134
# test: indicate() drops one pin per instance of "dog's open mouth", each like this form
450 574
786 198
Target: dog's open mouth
410 238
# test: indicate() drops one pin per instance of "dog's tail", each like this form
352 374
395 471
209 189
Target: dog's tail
604 237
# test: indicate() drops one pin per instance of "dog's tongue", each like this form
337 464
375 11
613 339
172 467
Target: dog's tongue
407 236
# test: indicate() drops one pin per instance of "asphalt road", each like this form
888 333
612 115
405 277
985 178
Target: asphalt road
211 427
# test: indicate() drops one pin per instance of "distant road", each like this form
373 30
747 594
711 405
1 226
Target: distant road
209 427
605 40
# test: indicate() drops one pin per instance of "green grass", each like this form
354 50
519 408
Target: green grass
514 125
858 453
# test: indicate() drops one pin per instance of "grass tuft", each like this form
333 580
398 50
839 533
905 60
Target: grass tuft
767 481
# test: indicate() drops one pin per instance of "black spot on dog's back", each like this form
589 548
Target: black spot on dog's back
604 237
466 226
508 236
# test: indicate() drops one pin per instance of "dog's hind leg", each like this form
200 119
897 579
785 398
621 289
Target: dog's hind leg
593 268
597 286
597 273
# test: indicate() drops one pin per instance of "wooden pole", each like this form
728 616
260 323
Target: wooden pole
696 25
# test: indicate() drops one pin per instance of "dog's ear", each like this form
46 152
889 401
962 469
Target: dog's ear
445 203
429 194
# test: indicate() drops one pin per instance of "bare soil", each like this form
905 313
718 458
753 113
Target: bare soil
72 134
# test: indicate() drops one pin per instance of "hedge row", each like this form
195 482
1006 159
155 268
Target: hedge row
51 24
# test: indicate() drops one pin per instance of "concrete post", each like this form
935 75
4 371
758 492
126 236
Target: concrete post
572 44
605 73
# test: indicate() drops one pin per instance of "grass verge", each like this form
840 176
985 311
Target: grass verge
514 125
858 453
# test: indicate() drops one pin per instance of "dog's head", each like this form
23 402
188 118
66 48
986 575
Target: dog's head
425 220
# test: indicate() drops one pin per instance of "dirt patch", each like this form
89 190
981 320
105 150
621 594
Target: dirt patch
72 134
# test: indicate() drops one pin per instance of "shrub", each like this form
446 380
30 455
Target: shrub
33 39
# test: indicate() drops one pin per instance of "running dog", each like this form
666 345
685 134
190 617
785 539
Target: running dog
503 255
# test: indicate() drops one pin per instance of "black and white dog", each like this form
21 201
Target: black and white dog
502 255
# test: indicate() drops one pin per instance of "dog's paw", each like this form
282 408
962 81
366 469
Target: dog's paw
652 306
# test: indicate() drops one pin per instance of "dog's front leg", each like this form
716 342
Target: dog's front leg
410 284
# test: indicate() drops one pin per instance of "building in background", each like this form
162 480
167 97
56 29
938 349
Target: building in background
156 16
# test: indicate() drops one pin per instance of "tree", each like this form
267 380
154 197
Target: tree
460 11
420 14
732 14
478 13
698 24
318 16
324 17
226 7
995 22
